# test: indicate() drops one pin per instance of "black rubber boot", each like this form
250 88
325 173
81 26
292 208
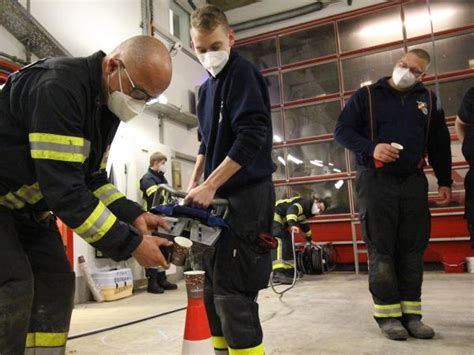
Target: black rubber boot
416 328
163 282
283 278
153 285
393 329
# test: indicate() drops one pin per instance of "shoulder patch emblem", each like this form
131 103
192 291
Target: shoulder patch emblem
423 107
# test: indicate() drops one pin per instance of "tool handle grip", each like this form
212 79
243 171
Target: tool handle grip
182 194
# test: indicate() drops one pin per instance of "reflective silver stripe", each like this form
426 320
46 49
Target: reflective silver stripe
387 311
411 307
60 350
13 200
95 227
30 194
108 194
62 148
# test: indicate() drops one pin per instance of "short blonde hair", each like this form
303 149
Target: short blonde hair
207 18
157 156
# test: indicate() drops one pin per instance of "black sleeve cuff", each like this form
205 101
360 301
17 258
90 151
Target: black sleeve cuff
126 210
125 249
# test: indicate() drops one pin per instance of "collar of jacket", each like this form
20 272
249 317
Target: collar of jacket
383 83
94 62
232 56
156 173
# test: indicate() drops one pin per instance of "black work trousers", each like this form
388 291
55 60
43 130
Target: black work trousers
237 268
36 286
395 224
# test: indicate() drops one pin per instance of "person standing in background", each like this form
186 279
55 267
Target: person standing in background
157 282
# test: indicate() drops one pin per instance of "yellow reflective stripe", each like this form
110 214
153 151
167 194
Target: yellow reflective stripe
286 200
40 339
57 139
387 315
291 217
30 193
105 157
11 201
256 350
387 311
279 249
387 306
411 307
308 234
58 147
219 343
151 190
108 194
97 224
278 218
281 264
300 209
410 303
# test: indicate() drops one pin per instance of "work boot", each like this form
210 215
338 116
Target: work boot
282 278
416 328
392 328
153 285
163 282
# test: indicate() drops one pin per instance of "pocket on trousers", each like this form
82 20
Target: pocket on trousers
251 269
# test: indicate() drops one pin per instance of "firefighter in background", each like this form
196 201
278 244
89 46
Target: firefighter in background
292 213
157 282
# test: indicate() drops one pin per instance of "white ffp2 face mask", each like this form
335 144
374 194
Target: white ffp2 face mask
214 62
122 105
403 77
315 209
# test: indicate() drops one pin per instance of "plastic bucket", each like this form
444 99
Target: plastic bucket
470 264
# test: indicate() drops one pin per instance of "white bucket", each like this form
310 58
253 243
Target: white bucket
470 264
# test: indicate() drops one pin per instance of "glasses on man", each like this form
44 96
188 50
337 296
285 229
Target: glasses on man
136 92
417 73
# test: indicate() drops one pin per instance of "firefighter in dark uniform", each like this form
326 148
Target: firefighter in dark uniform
157 282
291 213
235 156
389 126
57 120
465 131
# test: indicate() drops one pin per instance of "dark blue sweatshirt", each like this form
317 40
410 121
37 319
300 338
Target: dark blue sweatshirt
400 117
234 121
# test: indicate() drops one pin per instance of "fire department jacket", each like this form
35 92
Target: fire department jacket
54 140
294 211
149 186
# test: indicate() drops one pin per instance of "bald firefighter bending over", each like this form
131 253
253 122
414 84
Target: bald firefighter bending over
58 118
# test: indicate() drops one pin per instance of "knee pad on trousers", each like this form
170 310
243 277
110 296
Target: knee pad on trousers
16 298
240 322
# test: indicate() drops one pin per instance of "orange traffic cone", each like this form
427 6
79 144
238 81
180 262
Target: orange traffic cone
197 335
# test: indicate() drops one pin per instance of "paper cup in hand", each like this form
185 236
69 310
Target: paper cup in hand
194 283
181 249
397 146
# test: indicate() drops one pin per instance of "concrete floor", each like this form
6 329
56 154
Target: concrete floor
328 314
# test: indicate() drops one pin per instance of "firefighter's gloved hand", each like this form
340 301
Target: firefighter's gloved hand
148 223
148 253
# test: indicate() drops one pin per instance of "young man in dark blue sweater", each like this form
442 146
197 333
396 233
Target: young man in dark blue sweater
389 126
235 156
